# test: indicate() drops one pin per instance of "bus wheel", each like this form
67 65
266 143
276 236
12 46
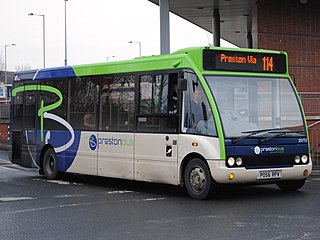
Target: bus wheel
50 167
293 185
197 179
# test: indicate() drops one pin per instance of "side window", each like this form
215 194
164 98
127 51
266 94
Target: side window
117 103
49 98
29 109
158 100
83 108
198 117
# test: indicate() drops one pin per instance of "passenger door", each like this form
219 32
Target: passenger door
156 151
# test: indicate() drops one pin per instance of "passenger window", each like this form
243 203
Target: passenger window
117 103
49 98
83 108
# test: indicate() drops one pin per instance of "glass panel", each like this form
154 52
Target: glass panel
158 103
29 109
158 124
160 94
117 103
49 98
146 88
248 104
198 116
17 109
83 110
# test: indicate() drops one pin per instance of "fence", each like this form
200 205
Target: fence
311 105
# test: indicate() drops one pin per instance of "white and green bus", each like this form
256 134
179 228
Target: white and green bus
197 118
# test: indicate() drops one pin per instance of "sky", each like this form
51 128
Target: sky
97 30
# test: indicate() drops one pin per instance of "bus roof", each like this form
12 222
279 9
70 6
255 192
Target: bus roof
184 58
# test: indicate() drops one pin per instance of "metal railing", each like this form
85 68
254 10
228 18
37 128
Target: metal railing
311 105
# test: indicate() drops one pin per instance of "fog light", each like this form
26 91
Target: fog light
239 161
231 176
297 159
231 161
304 159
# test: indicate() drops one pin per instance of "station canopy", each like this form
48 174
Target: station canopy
237 17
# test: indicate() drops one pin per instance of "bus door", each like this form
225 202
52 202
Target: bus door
156 149
24 134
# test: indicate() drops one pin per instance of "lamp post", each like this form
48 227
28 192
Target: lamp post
139 46
110 57
44 36
65 33
5 62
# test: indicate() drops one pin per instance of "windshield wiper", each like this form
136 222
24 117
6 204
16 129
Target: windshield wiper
251 133
278 131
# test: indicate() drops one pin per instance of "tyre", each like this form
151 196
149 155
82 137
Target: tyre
293 185
197 179
50 167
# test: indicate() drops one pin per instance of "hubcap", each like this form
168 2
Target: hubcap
197 179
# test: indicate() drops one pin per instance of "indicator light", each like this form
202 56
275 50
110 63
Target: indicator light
231 176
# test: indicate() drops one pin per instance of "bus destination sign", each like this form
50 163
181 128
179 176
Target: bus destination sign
244 61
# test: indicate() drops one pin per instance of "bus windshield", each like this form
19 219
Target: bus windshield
257 106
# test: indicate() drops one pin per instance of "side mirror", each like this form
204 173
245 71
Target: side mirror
182 84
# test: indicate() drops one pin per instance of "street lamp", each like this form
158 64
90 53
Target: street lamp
110 57
5 62
65 32
139 46
44 36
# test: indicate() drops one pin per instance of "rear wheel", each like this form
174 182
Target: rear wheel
197 179
50 167
293 185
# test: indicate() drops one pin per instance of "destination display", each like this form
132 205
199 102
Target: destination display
244 61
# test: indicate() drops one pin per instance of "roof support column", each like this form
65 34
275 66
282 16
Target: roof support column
164 27
216 27
249 40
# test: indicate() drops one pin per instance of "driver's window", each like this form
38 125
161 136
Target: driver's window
198 117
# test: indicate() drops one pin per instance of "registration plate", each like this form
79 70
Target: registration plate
270 174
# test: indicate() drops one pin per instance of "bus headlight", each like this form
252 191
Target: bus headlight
239 161
297 159
304 159
231 161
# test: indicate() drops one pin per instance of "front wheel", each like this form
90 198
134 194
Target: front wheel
197 179
292 185
50 167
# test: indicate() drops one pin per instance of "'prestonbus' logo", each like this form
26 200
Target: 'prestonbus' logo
93 142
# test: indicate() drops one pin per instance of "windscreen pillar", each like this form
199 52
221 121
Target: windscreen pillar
164 27
216 27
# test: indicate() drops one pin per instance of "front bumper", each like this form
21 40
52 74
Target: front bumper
221 173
